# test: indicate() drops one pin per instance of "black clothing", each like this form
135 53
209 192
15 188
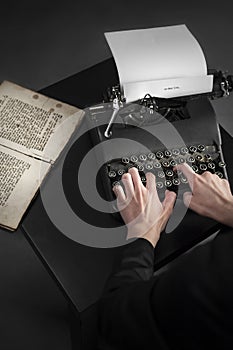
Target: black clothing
187 307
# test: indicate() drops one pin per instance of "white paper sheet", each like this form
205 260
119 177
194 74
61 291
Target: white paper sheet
168 88
157 54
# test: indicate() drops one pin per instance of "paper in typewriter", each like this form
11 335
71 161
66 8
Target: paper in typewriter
164 62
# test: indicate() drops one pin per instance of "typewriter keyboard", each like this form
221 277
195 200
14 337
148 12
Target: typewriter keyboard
200 157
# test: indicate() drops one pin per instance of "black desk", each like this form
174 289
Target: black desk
79 269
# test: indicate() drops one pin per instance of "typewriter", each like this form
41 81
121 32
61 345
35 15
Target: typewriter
132 135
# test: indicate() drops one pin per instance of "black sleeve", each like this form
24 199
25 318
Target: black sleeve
126 319
136 263
189 306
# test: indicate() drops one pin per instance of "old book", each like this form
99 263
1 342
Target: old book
34 129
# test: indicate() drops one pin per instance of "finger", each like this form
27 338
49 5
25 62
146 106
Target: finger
128 185
188 172
119 192
136 179
192 204
209 174
226 183
169 201
187 198
151 182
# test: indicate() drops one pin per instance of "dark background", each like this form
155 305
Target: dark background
44 42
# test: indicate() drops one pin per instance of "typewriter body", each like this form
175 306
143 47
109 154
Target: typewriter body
154 134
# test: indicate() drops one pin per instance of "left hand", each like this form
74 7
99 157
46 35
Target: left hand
140 207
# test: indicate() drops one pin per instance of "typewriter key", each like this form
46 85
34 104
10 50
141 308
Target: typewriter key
219 174
159 154
169 173
125 160
191 159
161 174
199 157
203 167
157 165
112 173
165 164
143 178
134 159
183 179
201 148
184 150
149 166
115 183
195 168
193 149
175 151
151 156
159 185
140 167
176 182
181 160
207 156
173 162
120 172
143 157
168 153
168 183
211 165
222 164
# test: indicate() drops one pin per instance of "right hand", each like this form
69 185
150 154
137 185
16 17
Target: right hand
210 196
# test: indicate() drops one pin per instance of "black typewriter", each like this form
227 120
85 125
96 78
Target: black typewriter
132 135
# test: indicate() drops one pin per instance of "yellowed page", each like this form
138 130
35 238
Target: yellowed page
28 120
20 178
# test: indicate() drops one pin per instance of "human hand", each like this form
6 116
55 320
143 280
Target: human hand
210 196
140 206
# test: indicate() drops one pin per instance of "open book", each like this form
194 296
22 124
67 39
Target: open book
30 133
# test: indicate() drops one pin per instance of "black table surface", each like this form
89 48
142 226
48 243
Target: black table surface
81 270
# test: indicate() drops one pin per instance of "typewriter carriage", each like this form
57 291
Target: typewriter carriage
148 109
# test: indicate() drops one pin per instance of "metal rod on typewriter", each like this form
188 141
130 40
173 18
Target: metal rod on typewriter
116 106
